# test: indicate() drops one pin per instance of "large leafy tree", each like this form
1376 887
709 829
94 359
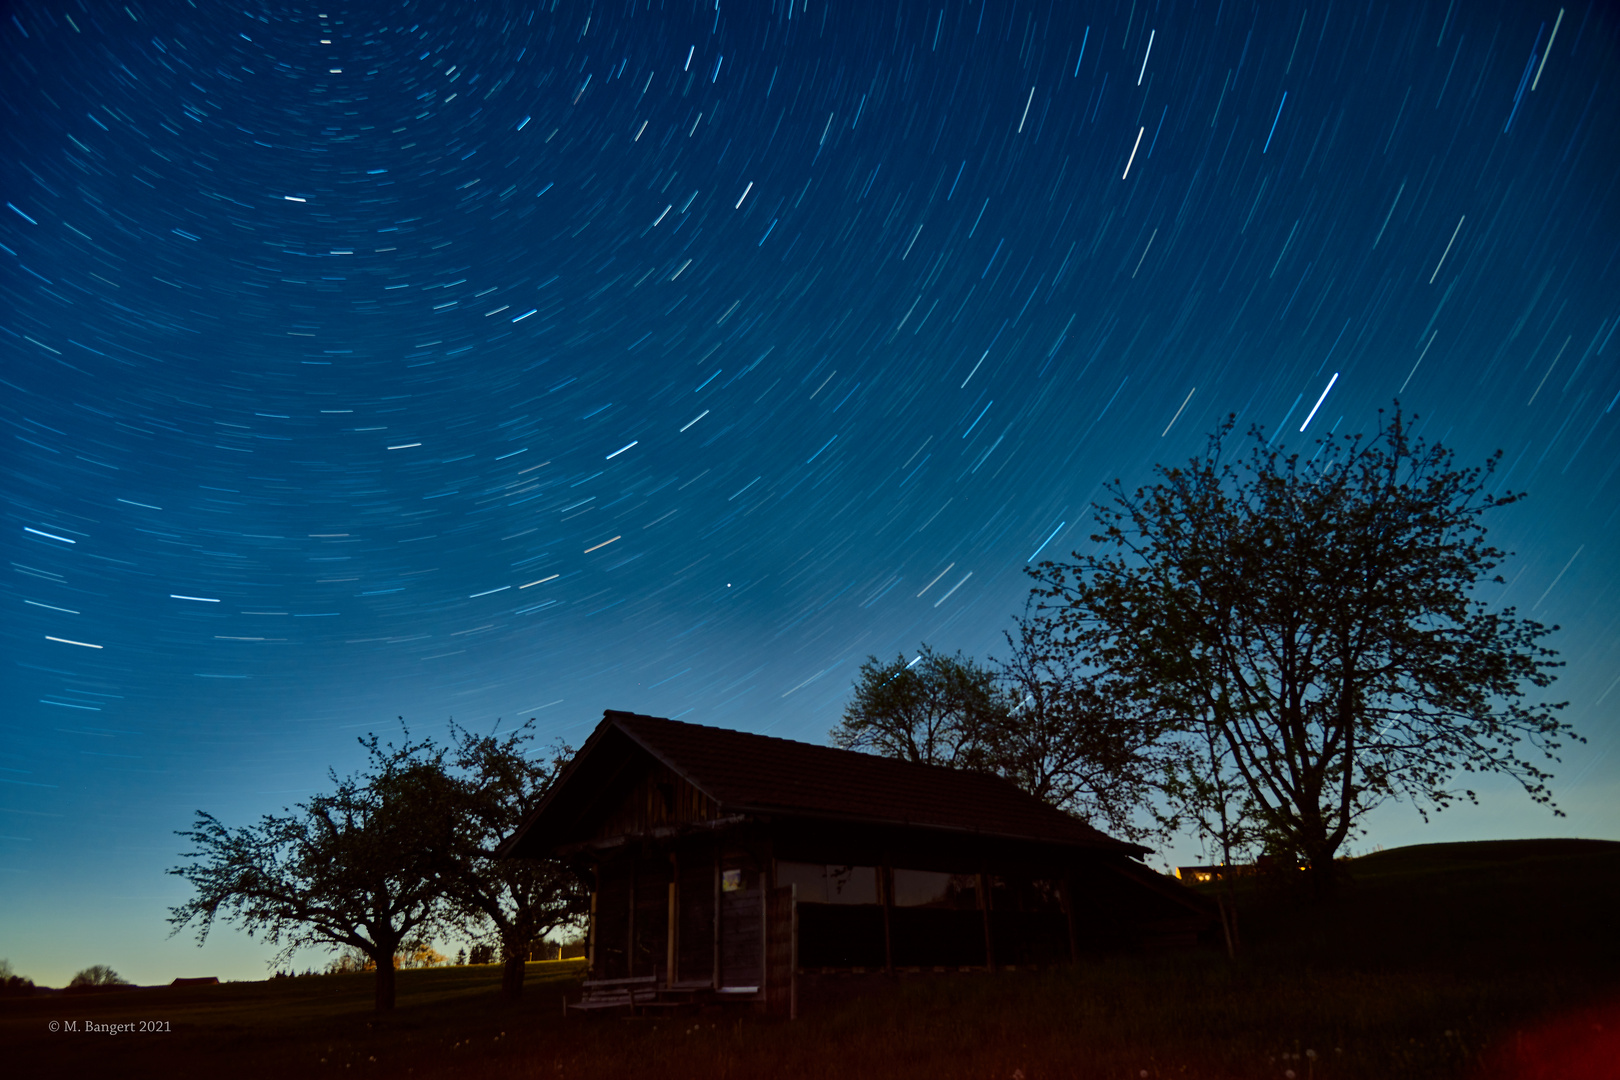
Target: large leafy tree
1069 735
358 868
932 710
1043 718
511 903
1315 626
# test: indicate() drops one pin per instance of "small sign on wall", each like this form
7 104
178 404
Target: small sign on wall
731 881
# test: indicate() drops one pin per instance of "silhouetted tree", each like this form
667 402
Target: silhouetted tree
360 868
97 975
1067 734
933 710
513 901
1207 794
12 984
1041 718
1316 620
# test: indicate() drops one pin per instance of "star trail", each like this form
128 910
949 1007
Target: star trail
494 360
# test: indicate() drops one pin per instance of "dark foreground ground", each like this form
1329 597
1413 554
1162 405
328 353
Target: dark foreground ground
1490 960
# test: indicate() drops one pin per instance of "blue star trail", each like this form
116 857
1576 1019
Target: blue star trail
498 360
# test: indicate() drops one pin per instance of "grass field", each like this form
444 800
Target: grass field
1493 960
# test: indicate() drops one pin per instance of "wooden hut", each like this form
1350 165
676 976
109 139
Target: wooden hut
730 864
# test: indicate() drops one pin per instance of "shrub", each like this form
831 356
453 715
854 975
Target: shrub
16 986
12 984
349 962
97 976
423 956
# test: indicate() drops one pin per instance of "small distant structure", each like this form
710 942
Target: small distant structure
1264 866
1205 875
206 980
727 865
555 950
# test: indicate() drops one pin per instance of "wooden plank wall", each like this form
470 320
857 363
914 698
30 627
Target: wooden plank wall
782 953
659 799
742 930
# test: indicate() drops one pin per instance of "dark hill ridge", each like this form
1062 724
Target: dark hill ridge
1493 905
1432 857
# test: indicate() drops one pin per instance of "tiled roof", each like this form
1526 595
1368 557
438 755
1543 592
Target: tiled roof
758 774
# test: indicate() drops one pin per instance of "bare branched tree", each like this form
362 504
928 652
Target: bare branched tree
1322 618
933 710
360 868
515 902
1070 736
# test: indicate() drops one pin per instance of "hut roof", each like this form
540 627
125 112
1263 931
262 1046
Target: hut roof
758 775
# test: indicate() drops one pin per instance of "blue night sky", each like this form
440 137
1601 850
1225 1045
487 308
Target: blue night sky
500 360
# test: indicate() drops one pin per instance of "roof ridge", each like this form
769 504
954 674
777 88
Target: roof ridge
607 713
690 750
748 773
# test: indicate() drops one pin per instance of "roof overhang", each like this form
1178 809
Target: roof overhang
591 780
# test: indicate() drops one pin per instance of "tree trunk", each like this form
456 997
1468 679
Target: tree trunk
512 975
1323 873
1228 909
385 984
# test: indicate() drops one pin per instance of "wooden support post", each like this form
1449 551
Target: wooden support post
671 953
984 907
1066 894
886 894
793 959
716 981
590 928
630 941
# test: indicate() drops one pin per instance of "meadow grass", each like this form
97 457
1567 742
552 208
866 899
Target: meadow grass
1442 961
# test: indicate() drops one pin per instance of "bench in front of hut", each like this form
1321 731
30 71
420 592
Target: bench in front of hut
615 994
640 994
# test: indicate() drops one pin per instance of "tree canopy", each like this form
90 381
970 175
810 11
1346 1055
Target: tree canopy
1040 718
933 710
1314 631
1069 734
514 901
358 868
400 851
97 975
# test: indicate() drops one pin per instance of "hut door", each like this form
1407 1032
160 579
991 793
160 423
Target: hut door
610 922
650 920
695 911
742 927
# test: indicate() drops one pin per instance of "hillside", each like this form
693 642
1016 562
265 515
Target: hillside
1495 960
1482 907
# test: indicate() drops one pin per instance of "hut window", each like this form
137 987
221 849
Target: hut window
1025 894
852 885
822 884
811 878
927 888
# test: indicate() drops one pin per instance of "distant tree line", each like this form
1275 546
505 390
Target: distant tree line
94 977
13 984
1258 648
397 853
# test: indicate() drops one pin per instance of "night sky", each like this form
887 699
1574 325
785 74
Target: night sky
492 361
